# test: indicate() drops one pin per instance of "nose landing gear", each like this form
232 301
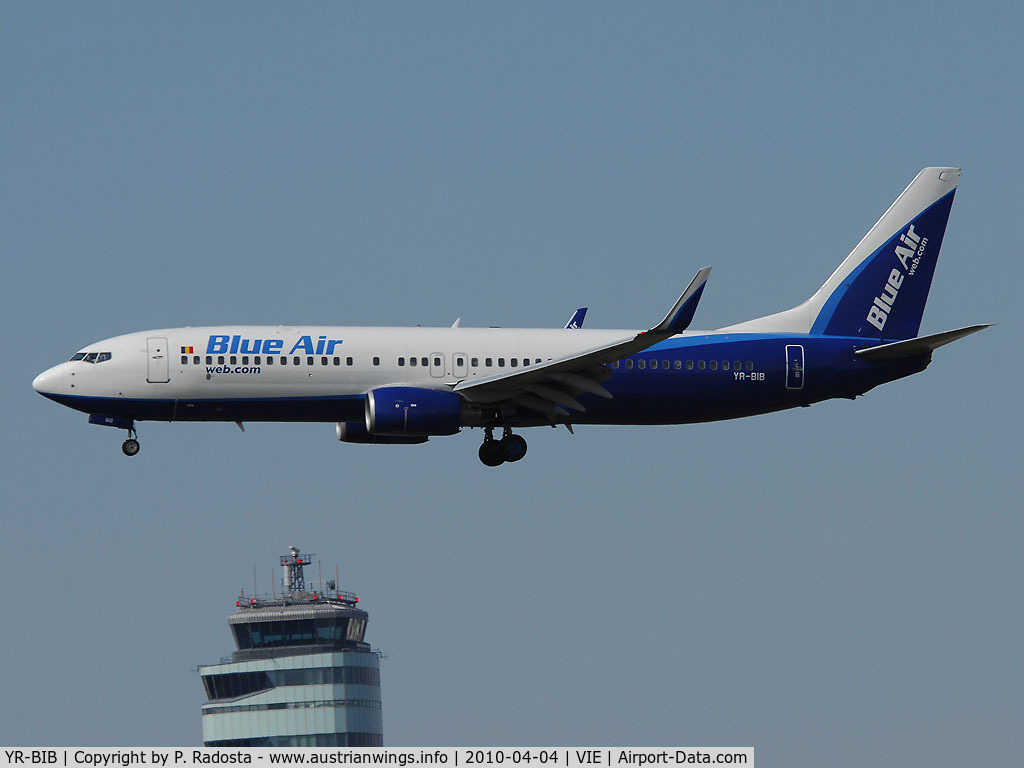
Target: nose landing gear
510 447
131 446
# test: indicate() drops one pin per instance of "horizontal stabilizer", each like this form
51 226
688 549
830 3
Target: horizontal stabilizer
919 346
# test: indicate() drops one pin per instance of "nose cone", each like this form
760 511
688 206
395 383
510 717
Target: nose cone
39 383
50 382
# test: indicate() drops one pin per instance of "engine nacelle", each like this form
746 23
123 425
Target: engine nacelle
412 411
355 432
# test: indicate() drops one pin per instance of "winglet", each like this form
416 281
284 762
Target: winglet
680 316
576 321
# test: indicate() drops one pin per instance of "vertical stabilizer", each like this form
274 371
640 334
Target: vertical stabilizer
880 289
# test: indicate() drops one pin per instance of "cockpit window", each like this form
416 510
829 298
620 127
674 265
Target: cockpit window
91 357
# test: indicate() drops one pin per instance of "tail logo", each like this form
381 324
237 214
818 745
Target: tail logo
909 251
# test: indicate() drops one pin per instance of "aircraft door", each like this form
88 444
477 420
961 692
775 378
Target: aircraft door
157 371
460 364
794 366
436 364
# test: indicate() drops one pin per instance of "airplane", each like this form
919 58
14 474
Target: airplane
389 385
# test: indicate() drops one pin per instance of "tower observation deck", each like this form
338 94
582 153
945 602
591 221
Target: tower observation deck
301 675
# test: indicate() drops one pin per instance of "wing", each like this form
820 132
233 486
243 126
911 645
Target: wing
551 387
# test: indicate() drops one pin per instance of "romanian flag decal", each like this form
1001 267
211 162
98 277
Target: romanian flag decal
187 350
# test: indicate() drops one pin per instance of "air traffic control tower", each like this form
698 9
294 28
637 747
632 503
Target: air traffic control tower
302 675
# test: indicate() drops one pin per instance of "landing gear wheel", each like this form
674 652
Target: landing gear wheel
513 447
492 453
130 447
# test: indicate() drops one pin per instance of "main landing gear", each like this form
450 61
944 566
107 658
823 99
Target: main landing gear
510 447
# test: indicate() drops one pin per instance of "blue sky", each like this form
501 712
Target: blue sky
830 585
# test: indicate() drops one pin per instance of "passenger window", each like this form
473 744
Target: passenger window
220 359
437 361
424 362
209 360
309 361
501 362
475 362
401 362
413 361
737 365
514 362
323 361
714 365
750 365
195 360
184 359
615 364
337 361
689 365
629 365
376 361
284 360
234 359
488 362
296 360
725 365
678 365
245 359
270 360
348 361
701 365
664 365
537 360
641 364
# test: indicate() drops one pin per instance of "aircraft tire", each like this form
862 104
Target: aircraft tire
492 453
130 447
513 447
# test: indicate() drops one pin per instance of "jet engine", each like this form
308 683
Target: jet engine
355 432
412 412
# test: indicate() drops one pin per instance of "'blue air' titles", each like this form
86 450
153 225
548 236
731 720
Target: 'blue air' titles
909 256
219 344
